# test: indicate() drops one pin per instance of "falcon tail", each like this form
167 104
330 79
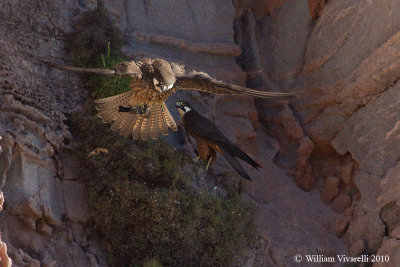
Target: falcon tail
143 127
235 164
155 122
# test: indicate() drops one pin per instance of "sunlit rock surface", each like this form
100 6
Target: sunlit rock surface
337 140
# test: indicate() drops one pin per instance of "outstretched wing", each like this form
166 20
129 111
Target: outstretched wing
122 69
203 82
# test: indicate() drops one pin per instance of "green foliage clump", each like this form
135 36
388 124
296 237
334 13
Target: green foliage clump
104 86
96 43
142 202
142 205
93 31
152 263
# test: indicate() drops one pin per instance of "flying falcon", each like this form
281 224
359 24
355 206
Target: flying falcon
141 112
209 140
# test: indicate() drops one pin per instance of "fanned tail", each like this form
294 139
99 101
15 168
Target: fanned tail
137 128
154 130
119 109
162 123
142 126
152 124
168 118
145 129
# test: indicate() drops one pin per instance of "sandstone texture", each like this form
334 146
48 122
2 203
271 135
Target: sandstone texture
316 7
345 65
42 221
330 163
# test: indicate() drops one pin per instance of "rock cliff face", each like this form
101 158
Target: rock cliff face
330 158
44 211
345 65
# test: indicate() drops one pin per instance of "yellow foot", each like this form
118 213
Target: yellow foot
208 163
196 159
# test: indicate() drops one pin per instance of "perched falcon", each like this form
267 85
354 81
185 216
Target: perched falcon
210 139
141 112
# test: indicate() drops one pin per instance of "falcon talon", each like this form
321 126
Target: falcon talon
138 109
208 163
144 110
124 109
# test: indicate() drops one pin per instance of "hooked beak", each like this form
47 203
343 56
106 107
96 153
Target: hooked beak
180 109
165 88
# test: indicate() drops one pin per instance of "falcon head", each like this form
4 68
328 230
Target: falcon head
164 78
183 107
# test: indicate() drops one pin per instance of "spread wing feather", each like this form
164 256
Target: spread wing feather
127 128
116 99
203 82
108 107
119 122
168 118
109 115
127 68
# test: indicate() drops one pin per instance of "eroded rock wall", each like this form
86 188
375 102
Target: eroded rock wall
284 210
338 140
39 222
345 66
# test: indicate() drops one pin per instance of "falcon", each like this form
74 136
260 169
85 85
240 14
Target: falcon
209 140
141 112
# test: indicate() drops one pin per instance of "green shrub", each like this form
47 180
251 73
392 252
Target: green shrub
143 203
104 86
95 43
93 31
143 207
152 263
